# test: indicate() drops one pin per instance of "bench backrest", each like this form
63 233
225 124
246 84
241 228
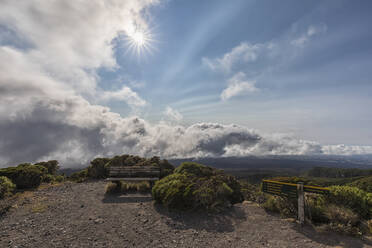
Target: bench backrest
134 171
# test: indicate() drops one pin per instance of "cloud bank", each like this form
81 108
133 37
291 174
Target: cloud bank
49 83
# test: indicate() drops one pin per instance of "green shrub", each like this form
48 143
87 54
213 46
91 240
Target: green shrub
341 215
59 178
79 176
286 207
48 178
363 184
194 186
194 169
25 175
369 223
252 192
99 168
316 208
6 187
51 166
165 168
351 197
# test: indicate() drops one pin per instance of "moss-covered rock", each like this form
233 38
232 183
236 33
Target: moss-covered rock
196 186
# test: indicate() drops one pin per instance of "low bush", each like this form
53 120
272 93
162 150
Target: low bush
79 176
59 178
252 192
196 186
341 215
285 207
316 208
51 166
351 197
6 187
25 175
363 184
99 168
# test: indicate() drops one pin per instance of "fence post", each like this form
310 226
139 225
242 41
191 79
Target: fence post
301 203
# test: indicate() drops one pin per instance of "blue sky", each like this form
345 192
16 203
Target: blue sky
81 79
318 91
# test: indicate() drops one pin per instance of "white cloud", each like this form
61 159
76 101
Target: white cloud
311 31
69 40
173 114
238 85
245 52
125 94
45 87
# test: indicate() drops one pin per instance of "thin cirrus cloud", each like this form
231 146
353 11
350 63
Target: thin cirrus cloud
311 31
247 61
245 52
172 114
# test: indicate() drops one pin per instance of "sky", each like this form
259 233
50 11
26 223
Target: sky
88 78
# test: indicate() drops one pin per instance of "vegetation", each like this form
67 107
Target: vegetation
26 175
99 167
79 176
124 187
363 183
337 172
196 186
6 187
346 209
51 166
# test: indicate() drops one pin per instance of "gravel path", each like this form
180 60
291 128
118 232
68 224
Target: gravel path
81 215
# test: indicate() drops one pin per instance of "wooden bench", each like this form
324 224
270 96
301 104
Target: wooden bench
134 173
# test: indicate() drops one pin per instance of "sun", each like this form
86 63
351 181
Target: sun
139 41
138 38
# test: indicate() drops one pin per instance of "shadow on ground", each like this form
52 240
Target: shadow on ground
126 198
201 220
330 238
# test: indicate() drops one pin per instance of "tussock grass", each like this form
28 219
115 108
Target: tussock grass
125 187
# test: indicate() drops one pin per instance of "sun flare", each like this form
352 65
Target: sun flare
138 38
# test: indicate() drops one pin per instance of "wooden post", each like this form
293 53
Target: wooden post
301 203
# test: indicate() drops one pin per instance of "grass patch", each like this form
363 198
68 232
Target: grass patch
125 187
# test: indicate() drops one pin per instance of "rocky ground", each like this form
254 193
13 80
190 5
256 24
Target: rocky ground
81 215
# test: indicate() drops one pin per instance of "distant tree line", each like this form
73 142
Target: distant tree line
338 172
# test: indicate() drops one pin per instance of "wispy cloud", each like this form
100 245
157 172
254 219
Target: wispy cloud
243 53
311 31
238 85
173 114
125 94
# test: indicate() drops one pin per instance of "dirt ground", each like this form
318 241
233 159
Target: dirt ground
81 215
